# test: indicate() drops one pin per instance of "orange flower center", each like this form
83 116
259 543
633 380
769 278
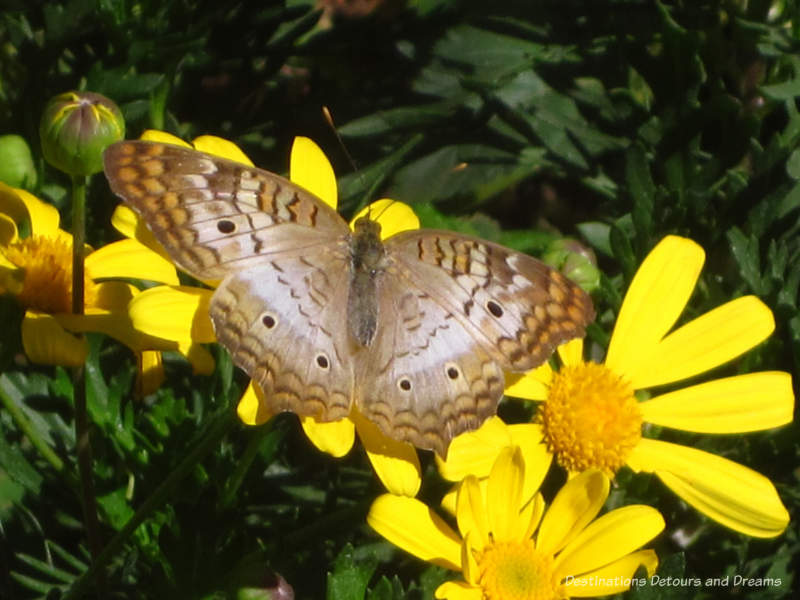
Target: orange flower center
517 571
47 265
591 418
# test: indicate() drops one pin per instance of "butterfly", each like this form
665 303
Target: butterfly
414 331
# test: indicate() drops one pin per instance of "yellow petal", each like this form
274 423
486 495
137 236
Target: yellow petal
458 590
528 436
334 438
47 343
412 526
130 259
609 538
8 230
613 578
12 278
469 562
392 215
124 220
252 410
657 296
154 135
201 360
504 496
151 372
218 146
310 169
24 206
533 385
725 491
396 463
474 452
571 353
731 405
575 505
114 296
706 342
174 313
471 512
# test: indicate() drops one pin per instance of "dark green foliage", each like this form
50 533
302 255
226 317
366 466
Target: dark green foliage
613 121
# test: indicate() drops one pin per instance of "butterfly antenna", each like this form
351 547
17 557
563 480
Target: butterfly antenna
329 119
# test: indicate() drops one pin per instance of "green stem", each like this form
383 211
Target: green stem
82 442
216 431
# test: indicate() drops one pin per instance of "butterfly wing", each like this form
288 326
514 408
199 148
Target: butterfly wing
280 252
424 380
515 306
215 216
282 324
456 311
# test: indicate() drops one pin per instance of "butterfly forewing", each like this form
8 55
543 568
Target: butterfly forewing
215 216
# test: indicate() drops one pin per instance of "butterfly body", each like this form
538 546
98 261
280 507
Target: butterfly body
413 331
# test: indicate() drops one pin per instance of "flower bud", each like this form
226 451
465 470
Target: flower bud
16 163
574 260
275 588
75 129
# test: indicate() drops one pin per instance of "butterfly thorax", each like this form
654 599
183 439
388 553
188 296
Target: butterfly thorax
367 262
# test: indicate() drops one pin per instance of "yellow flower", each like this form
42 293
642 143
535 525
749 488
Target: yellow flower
590 417
37 270
509 548
180 314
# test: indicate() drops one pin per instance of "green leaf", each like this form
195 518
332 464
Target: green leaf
745 251
351 574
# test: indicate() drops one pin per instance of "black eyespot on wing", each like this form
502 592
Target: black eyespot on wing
268 321
404 385
494 308
226 226
322 361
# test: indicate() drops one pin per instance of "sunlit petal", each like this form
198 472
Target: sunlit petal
528 436
201 360
471 512
458 590
47 343
474 452
150 373
154 135
706 342
252 410
8 230
727 492
393 216
218 146
174 313
737 404
23 206
575 505
504 495
613 578
310 169
396 463
656 298
334 438
533 385
610 538
131 259
412 526
571 353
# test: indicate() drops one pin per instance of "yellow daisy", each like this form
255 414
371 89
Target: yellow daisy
591 418
180 314
509 547
37 270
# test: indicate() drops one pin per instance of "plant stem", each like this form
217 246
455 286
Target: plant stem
82 442
218 428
